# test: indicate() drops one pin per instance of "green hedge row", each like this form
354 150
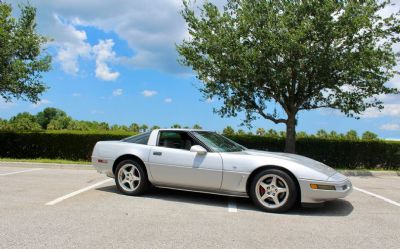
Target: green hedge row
335 153
79 146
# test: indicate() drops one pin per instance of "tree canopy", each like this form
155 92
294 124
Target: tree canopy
22 60
297 55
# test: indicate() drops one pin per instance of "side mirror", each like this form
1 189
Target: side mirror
198 149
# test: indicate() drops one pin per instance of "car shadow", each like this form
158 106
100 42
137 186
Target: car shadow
338 207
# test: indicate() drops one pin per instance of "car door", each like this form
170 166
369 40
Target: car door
172 164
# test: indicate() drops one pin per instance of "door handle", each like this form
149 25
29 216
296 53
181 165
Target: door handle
157 153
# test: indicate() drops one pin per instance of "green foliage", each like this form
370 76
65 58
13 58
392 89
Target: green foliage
21 57
48 114
241 132
197 127
155 127
228 131
79 145
24 122
176 126
352 135
369 136
260 132
300 55
59 123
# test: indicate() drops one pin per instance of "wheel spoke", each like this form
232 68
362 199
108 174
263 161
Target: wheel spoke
282 190
264 186
125 172
273 182
131 185
275 199
135 178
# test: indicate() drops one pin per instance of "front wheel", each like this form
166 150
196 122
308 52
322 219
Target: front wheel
130 178
273 190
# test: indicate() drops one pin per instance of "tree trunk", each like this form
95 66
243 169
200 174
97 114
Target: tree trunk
290 143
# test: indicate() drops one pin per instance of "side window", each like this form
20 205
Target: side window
175 140
139 139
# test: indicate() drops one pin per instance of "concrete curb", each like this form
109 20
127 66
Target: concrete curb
373 173
47 165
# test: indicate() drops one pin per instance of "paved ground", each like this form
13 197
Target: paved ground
100 217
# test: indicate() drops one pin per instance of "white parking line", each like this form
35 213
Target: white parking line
377 196
53 202
17 172
232 208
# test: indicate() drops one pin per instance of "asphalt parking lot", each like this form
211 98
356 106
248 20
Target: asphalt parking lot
66 208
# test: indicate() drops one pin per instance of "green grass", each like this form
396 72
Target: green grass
44 160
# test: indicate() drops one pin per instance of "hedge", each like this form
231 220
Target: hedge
79 146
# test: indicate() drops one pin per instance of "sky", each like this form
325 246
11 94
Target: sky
115 61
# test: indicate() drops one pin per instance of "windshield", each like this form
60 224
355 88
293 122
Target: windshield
217 142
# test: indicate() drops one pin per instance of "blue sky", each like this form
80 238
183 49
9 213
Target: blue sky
115 61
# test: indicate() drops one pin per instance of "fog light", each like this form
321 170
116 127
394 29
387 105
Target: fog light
323 187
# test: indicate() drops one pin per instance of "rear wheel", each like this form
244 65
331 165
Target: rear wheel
273 190
130 178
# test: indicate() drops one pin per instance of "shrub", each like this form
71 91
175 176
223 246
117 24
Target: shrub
78 145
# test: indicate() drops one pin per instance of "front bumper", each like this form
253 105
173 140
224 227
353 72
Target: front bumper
343 187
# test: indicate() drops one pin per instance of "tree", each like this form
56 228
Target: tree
228 131
296 55
260 132
48 114
21 55
4 124
59 123
272 133
302 134
197 127
143 128
155 127
134 127
322 134
176 126
24 122
241 132
369 136
351 135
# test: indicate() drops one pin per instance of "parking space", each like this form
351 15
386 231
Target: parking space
89 212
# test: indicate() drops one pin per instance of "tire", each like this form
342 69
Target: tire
273 196
130 178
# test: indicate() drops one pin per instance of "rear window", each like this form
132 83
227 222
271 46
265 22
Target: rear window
138 139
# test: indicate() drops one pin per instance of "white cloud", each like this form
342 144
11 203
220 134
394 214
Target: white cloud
104 54
391 110
71 44
150 28
168 100
149 93
40 103
117 92
390 127
76 95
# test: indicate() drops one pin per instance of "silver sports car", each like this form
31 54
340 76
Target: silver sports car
205 161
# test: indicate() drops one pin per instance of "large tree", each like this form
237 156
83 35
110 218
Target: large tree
296 55
21 55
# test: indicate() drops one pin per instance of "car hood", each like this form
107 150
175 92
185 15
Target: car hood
304 161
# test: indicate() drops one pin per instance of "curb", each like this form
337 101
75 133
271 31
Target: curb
373 173
47 165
